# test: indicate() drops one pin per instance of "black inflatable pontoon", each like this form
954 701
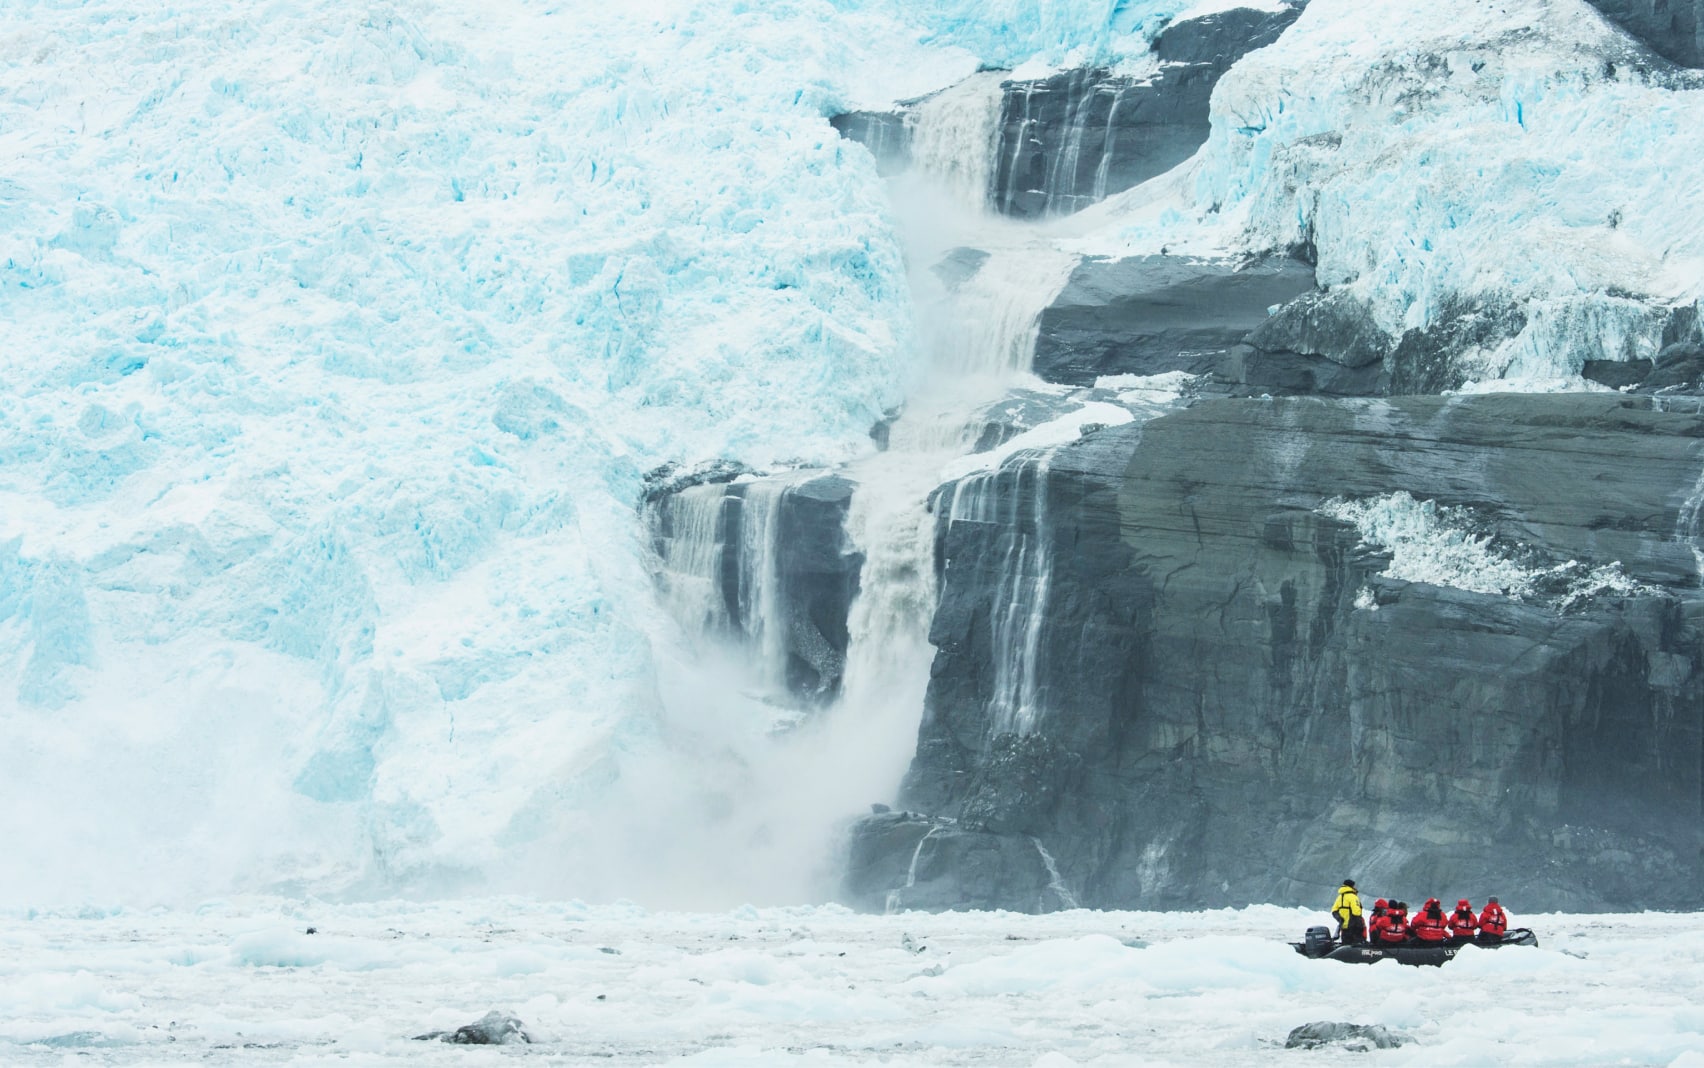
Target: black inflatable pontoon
1319 945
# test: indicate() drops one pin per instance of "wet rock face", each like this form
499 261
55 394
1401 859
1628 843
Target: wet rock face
741 557
1677 371
900 860
1072 139
1075 138
819 579
672 478
1326 343
1223 698
1321 343
884 133
1674 29
1147 315
1259 326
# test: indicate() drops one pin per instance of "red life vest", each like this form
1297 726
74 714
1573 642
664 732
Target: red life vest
1493 921
1462 923
1430 928
1393 929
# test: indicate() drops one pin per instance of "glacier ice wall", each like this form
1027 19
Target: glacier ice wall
1457 154
336 340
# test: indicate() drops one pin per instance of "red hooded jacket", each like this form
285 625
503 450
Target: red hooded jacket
1462 922
1429 923
1394 926
1493 921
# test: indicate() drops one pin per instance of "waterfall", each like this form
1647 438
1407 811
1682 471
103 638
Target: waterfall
989 327
758 581
1021 123
1103 170
1689 525
1066 162
1013 501
893 901
1055 882
776 797
954 134
719 565
691 539
1091 114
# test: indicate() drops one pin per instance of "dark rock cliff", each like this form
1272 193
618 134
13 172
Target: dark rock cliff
1674 29
884 133
744 556
1072 139
1147 315
1210 692
1259 326
1075 138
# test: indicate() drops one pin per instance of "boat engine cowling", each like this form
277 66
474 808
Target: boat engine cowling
1317 942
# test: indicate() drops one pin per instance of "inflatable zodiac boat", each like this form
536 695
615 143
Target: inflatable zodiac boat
1319 944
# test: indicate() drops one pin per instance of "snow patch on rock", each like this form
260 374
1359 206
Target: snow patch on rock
1443 546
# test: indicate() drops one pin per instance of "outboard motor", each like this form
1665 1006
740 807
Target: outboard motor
1317 942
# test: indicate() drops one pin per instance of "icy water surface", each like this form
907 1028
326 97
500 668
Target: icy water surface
242 983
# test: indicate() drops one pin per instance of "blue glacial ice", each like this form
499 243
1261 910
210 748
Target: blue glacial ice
337 341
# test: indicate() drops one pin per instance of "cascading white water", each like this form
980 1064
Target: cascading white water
1689 525
894 898
1013 501
1055 882
954 134
989 329
796 787
1022 120
691 559
1065 191
709 594
759 576
1103 170
1065 185
1063 167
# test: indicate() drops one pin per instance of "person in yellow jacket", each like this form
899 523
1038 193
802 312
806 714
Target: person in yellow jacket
1351 925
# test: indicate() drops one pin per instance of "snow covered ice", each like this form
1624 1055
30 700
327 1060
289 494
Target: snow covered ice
241 983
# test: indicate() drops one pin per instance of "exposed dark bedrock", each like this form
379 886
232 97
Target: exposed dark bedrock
884 133
1148 315
1077 137
1069 140
1674 29
1230 704
816 570
1326 342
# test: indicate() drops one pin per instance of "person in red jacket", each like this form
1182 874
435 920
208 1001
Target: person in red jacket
1493 922
1394 929
1429 923
1462 921
1381 916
